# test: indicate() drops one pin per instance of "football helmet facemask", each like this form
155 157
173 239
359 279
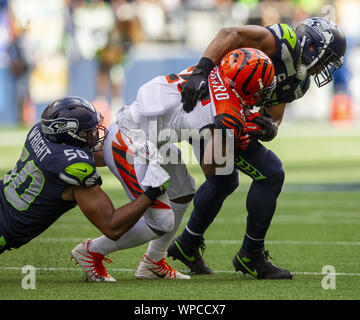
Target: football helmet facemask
74 121
250 74
323 46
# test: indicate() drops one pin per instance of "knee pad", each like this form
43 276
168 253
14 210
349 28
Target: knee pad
161 220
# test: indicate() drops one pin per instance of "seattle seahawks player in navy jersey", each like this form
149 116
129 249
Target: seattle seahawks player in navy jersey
316 47
55 172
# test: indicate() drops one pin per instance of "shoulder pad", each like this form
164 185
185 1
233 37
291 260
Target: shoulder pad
81 174
284 35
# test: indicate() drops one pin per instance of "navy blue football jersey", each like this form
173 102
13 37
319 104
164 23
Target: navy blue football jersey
30 194
286 60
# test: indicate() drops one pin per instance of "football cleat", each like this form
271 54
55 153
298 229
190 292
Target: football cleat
148 269
257 265
189 254
91 263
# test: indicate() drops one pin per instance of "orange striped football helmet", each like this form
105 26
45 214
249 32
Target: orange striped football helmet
250 74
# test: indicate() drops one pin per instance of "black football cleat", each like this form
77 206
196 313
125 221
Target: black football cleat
258 265
189 254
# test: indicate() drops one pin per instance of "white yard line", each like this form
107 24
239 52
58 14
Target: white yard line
132 270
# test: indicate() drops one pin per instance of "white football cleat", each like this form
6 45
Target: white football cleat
148 269
91 262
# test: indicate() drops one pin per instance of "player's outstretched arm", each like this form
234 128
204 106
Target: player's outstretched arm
226 40
231 38
99 209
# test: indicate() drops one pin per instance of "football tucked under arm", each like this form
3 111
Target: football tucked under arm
226 121
261 127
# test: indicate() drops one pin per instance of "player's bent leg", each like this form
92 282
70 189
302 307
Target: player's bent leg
261 204
181 192
189 246
156 221
90 254
152 264
252 258
268 177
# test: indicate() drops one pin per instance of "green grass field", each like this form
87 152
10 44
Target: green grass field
316 224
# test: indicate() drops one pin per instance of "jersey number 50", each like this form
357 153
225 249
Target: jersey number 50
21 188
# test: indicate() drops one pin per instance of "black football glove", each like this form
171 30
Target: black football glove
153 193
196 87
269 130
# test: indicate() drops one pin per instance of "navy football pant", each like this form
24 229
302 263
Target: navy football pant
265 168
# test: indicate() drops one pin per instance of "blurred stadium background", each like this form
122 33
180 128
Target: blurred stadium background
104 50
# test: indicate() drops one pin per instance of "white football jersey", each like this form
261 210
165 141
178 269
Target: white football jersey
158 109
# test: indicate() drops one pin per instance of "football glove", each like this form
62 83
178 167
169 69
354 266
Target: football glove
251 130
196 87
153 193
268 128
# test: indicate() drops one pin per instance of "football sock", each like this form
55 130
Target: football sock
139 234
157 248
251 244
207 203
261 205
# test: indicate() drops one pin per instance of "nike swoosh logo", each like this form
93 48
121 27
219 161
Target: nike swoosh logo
82 170
252 272
191 259
161 276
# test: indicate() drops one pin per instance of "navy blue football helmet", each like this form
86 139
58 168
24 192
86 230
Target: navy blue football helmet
73 121
323 47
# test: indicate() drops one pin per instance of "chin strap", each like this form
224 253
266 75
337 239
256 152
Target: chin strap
301 71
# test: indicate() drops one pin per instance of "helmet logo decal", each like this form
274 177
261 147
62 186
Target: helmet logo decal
322 28
61 125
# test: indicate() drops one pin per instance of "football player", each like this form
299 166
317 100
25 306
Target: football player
55 172
156 119
316 47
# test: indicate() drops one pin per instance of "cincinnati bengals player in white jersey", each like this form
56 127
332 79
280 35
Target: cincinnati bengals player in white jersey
243 79
159 101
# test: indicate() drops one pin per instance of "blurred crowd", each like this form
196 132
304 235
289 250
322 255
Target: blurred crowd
41 40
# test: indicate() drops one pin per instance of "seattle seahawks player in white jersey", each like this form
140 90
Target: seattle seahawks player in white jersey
316 47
